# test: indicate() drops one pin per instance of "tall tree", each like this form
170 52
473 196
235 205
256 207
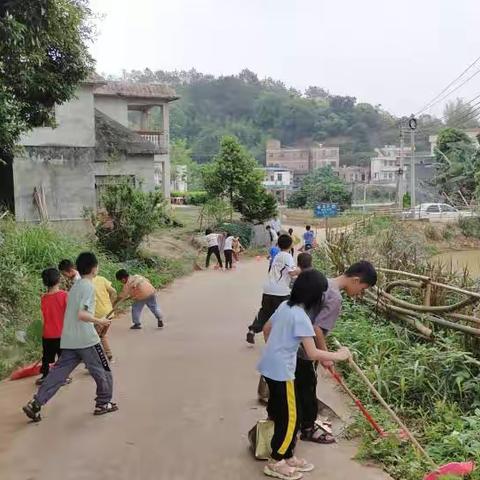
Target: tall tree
458 161
234 175
459 114
321 185
43 57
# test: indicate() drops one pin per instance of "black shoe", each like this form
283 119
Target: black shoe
160 323
135 327
39 381
32 410
251 337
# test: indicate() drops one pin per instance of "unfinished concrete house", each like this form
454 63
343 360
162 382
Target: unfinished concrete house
110 132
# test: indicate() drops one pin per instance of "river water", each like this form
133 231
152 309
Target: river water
460 259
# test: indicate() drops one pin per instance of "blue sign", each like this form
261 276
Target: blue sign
326 210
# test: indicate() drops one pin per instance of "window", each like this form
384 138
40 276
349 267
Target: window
272 178
279 177
102 181
447 208
385 163
433 209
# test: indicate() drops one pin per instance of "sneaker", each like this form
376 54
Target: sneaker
281 470
160 323
106 408
135 327
67 381
32 410
251 337
300 464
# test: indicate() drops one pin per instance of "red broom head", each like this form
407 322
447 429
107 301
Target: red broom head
459 469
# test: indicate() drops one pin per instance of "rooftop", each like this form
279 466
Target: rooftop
113 137
137 90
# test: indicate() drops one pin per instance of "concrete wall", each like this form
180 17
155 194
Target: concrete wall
66 175
75 124
68 179
114 107
140 166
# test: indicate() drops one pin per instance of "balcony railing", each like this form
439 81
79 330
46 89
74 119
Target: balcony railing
160 139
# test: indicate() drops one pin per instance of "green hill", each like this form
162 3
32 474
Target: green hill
254 110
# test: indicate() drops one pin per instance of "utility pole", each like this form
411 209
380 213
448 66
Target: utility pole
401 169
412 123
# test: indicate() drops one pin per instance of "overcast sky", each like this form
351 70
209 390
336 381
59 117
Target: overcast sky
399 54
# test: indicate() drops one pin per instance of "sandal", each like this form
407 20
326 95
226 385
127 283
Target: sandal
107 408
313 435
281 470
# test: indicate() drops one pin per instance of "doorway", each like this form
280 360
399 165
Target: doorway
7 195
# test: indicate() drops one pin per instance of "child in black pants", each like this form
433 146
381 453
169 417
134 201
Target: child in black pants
289 327
53 305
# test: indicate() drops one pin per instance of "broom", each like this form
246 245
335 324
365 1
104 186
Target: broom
452 468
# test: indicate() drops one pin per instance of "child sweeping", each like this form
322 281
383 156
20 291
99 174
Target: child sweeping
53 305
289 327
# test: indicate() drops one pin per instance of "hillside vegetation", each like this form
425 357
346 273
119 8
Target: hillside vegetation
254 110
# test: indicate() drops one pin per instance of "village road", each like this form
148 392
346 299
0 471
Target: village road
187 398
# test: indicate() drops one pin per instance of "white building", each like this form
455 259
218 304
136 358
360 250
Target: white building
279 182
180 179
384 168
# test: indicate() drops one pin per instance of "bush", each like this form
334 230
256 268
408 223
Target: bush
449 232
196 198
215 211
432 233
470 226
238 229
132 214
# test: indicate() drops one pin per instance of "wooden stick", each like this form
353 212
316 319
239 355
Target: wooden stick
428 279
387 407
114 309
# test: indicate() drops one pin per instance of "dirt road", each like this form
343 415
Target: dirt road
187 398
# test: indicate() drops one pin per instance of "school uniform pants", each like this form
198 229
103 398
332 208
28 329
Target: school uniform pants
216 251
102 331
228 258
51 352
306 388
283 409
96 362
270 303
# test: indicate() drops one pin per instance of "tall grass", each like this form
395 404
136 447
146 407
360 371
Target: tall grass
25 250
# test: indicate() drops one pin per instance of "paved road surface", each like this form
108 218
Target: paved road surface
187 397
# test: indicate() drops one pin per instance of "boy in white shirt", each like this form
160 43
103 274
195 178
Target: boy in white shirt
276 289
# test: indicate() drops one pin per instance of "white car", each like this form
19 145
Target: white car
434 211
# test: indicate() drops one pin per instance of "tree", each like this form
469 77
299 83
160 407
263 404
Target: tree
458 163
321 185
459 114
234 175
43 57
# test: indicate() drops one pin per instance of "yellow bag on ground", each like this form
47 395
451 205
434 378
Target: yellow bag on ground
260 438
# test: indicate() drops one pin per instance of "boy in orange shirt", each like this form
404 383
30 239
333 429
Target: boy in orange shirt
142 292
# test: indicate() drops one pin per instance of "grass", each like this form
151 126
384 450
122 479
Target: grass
25 251
433 386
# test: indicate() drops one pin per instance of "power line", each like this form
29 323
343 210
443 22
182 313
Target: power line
434 99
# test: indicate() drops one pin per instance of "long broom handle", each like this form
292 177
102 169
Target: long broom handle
114 309
392 414
357 402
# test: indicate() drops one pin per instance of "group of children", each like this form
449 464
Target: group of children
222 242
77 309
299 309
